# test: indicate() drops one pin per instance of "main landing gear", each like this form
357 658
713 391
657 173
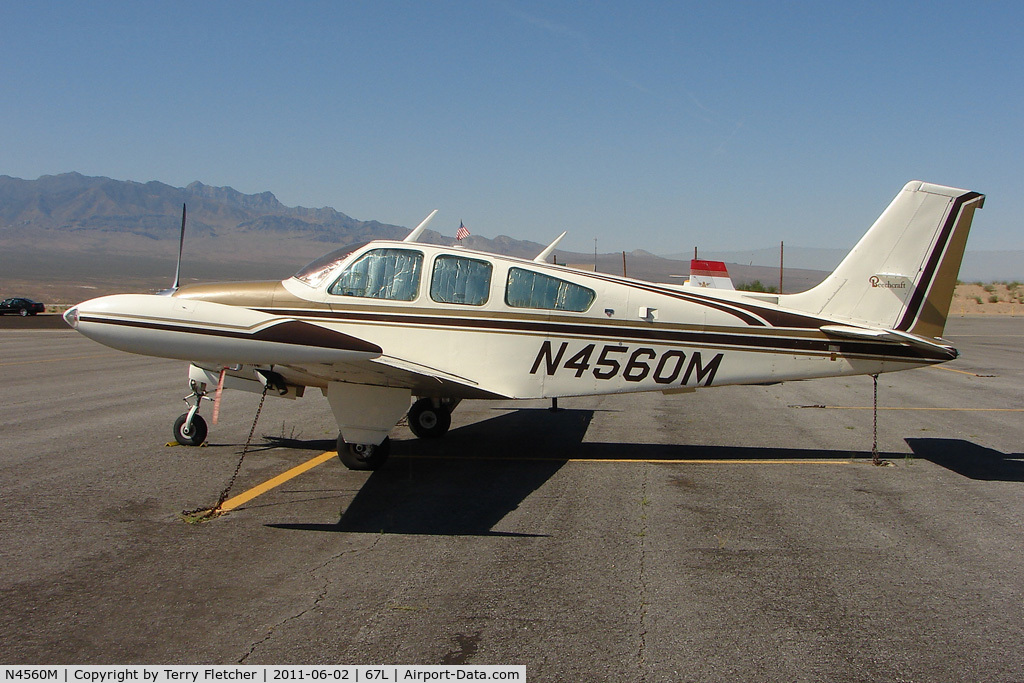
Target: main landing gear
361 456
429 418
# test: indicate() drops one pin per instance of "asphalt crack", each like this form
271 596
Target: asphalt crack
320 596
642 582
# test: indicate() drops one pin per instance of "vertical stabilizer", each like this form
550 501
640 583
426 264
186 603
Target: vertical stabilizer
902 273
711 274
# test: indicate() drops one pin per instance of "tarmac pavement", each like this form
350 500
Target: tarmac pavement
738 533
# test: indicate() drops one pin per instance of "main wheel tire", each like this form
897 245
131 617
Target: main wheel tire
195 436
427 421
361 456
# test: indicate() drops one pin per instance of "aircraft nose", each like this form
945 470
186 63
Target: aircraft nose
71 317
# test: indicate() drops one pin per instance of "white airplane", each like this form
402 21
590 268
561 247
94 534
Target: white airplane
387 324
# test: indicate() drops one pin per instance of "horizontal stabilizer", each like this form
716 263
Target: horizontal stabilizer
928 343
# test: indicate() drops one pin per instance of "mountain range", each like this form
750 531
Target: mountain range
72 211
97 233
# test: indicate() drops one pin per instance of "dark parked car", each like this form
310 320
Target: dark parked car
21 306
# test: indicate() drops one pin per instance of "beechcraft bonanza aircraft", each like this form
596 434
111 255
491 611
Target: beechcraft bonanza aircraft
392 323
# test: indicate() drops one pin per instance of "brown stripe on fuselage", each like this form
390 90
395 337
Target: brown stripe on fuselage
799 341
294 332
306 334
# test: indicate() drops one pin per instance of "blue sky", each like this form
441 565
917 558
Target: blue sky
660 126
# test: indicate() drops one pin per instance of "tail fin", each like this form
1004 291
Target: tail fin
711 274
902 273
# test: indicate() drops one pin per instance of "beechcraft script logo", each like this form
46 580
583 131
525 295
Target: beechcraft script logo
887 282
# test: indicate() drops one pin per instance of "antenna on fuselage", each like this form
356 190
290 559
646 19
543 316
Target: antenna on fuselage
543 256
415 234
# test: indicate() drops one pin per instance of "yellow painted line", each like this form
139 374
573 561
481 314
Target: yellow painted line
962 372
652 461
60 360
951 410
721 461
241 498
245 497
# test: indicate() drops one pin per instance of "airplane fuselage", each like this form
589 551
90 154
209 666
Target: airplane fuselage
629 336
380 324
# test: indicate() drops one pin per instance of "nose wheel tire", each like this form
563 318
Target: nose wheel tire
361 456
193 436
428 421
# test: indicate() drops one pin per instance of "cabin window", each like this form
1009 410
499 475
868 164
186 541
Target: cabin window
382 274
528 289
460 280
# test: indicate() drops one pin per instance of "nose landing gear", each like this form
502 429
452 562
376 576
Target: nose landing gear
190 428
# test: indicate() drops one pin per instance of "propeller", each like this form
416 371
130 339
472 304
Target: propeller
177 270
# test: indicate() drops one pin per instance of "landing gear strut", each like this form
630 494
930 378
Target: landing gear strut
190 428
430 418
365 414
361 456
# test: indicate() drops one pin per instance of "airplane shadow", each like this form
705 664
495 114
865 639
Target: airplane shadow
435 487
969 459
467 482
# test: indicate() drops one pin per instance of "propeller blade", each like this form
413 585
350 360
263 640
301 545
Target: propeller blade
181 246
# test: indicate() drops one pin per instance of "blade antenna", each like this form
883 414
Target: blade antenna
543 256
415 234
181 246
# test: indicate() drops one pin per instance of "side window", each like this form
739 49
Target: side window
382 274
460 280
527 289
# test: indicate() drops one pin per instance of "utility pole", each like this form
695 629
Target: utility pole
595 254
781 253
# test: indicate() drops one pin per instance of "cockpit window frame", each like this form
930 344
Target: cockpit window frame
316 272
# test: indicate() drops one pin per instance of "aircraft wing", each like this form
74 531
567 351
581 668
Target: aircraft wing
421 378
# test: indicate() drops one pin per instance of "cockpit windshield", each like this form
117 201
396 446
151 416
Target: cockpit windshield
314 273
